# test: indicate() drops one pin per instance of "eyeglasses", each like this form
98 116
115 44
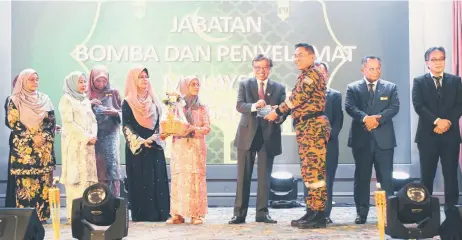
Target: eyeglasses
195 84
261 68
434 60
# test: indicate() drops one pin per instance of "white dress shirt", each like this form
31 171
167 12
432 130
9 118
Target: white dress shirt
373 87
441 80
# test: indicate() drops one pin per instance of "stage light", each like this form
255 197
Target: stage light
400 179
413 206
98 206
283 190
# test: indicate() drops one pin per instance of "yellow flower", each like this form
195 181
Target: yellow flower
26 182
45 192
28 151
13 116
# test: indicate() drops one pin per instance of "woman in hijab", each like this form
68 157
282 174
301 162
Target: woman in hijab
78 137
30 116
148 191
106 104
189 157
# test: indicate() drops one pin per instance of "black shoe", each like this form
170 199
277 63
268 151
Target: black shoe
237 220
316 220
294 223
328 220
360 219
265 219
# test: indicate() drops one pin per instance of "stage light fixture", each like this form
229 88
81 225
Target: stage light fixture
412 213
400 179
98 206
283 190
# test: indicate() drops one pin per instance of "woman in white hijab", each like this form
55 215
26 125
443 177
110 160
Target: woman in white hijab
30 116
79 131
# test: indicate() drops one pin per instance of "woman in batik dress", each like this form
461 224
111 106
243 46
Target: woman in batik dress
78 139
188 159
106 104
30 116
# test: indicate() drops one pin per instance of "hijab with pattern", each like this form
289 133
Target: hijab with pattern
146 111
32 106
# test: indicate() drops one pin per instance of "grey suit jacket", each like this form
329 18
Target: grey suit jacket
247 95
386 103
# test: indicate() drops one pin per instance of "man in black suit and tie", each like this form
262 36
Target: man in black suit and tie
334 113
256 136
372 103
437 99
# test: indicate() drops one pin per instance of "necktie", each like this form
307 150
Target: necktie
371 94
438 85
261 92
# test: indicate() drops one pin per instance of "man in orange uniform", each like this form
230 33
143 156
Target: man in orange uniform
306 104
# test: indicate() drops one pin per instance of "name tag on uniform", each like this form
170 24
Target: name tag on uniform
383 98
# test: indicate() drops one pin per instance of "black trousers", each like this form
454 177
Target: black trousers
382 159
430 154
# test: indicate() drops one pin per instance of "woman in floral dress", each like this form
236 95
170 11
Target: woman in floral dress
188 159
78 139
30 116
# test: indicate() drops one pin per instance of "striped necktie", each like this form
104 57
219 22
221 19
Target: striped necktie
438 85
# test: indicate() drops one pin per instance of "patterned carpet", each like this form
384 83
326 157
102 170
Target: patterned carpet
216 227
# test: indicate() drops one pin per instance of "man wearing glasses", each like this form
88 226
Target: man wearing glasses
256 136
437 99
306 104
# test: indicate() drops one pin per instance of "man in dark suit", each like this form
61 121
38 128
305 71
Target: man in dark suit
372 103
256 136
334 113
437 99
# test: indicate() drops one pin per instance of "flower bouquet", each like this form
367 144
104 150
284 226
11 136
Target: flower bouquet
173 122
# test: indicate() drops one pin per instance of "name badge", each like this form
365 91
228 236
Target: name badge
383 98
